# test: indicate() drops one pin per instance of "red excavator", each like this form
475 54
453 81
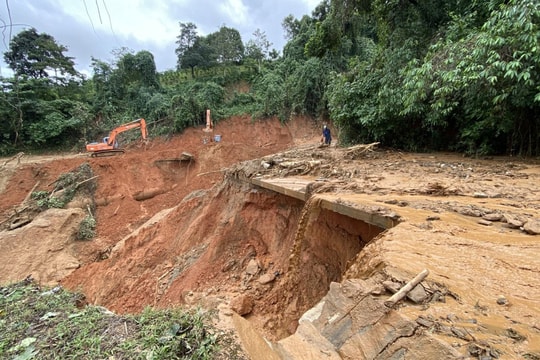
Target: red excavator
109 146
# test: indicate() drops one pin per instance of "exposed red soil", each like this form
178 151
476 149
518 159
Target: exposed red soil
201 234
153 168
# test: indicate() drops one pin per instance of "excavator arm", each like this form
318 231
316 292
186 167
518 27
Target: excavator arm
110 144
139 123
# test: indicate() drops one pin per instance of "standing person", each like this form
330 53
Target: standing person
327 136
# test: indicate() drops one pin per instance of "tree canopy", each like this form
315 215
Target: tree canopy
37 55
412 74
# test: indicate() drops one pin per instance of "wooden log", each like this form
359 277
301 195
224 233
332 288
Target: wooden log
85 181
186 156
405 289
29 194
148 194
212 172
19 222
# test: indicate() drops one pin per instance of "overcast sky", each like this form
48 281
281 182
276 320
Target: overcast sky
93 28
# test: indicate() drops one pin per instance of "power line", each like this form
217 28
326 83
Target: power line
99 13
110 21
89 17
99 16
10 20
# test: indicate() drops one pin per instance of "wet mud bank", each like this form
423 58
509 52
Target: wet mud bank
278 255
306 277
270 257
312 277
323 248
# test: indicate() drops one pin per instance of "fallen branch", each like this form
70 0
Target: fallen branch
18 157
166 273
406 289
156 294
29 194
85 181
59 192
212 172
89 211
19 222
16 213
358 150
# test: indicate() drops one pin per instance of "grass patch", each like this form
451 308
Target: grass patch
87 228
79 181
39 323
65 188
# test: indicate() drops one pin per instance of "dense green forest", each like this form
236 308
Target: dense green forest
460 75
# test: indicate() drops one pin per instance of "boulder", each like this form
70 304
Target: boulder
418 294
492 217
532 227
252 267
266 279
485 222
512 222
242 304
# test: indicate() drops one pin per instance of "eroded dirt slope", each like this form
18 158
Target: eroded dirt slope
153 172
173 232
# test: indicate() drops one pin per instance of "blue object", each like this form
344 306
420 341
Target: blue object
327 135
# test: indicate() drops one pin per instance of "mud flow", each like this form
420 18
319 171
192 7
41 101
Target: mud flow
324 246
293 242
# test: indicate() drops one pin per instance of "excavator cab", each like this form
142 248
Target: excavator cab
106 141
110 145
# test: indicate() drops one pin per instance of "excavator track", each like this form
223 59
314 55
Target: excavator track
103 153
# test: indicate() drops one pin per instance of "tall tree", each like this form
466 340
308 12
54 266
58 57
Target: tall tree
300 32
291 26
200 55
258 47
193 50
186 40
105 98
36 55
227 45
139 69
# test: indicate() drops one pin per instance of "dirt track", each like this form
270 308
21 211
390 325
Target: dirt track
205 235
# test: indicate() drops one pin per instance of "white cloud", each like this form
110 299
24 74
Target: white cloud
236 11
93 28
312 4
6 72
145 21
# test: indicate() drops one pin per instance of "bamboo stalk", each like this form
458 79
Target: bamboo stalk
406 289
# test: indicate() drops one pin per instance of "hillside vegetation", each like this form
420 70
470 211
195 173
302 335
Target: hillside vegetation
417 75
52 323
